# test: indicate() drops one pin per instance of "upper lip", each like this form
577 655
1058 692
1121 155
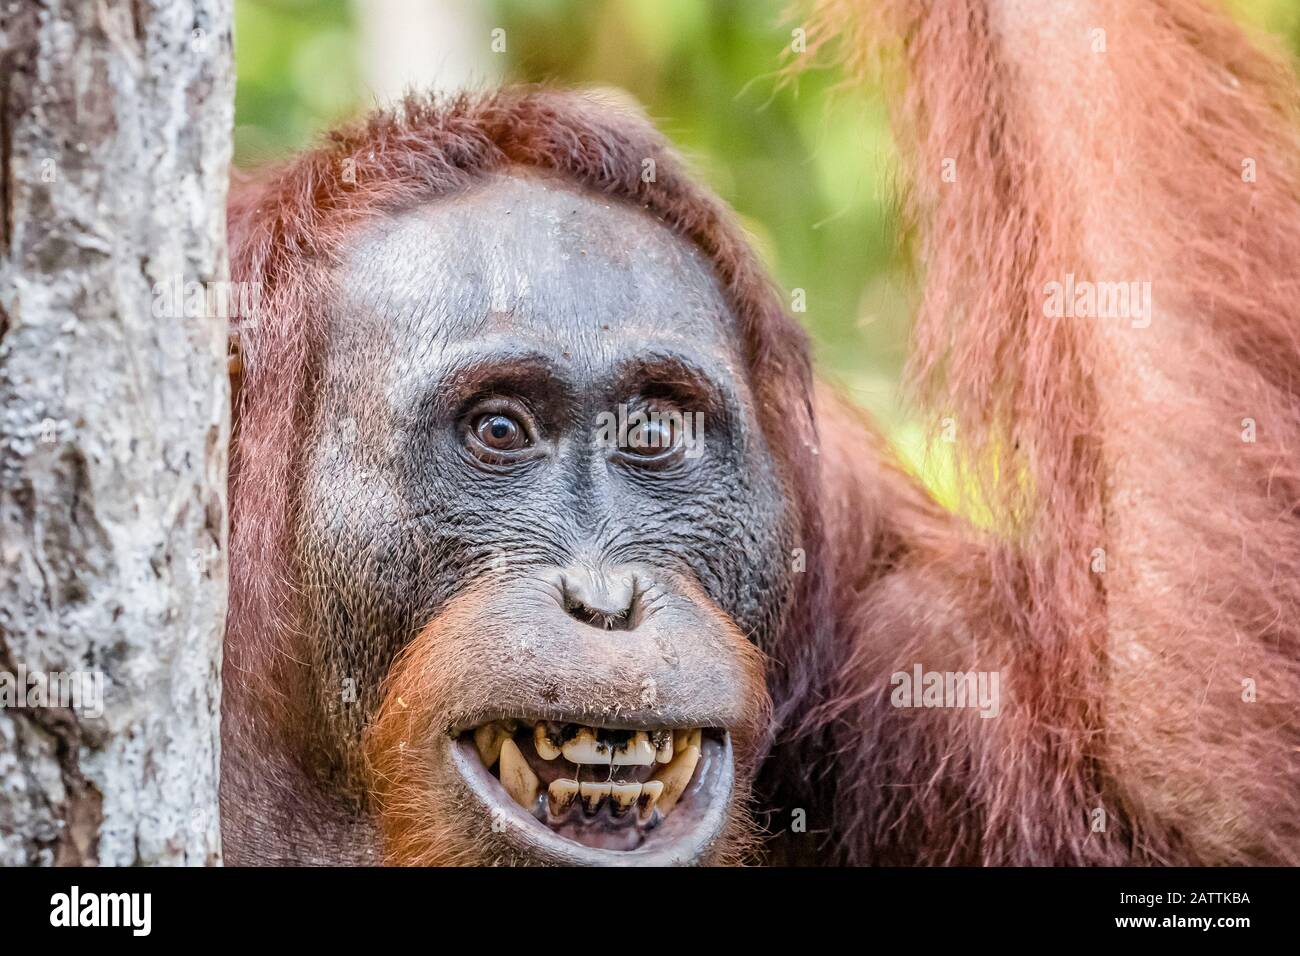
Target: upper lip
630 719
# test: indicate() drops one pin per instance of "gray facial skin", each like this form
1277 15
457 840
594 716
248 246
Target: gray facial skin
524 297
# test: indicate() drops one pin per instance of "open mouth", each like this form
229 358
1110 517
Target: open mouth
601 788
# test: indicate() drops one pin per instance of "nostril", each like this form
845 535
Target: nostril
610 606
605 620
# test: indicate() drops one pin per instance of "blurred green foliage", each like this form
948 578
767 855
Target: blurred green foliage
806 161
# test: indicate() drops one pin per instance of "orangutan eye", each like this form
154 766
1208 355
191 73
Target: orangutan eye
651 438
500 432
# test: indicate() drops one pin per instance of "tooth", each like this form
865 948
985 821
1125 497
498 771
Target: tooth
624 795
585 748
689 737
663 744
593 794
542 742
651 791
488 739
516 776
561 793
676 775
637 752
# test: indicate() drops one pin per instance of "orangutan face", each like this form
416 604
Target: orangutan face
542 534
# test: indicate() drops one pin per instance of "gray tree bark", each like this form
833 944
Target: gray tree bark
115 125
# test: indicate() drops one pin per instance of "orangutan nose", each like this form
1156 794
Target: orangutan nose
604 599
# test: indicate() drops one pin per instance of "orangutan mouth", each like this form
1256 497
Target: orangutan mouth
605 788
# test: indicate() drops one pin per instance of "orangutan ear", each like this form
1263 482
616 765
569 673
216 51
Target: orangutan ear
234 364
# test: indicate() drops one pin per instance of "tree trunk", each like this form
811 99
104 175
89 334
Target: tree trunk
115 123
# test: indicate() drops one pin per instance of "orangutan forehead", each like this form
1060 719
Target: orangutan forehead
552 267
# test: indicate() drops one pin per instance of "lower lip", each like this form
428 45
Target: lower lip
682 839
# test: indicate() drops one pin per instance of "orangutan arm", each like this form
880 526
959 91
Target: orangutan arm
1134 583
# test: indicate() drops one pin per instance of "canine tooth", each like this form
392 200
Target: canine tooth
542 742
624 795
637 752
688 737
516 776
651 791
561 794
663 744
488 740
585 748
675 776
593 794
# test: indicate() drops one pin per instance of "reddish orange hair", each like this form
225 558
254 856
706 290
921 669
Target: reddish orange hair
1108 141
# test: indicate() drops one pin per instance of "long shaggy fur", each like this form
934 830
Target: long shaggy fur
1125 689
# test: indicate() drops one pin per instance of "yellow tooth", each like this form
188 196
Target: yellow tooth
593 794
488 739
561 793
676 775
516 776
663 744
689 737
542 743
585 748
651 791
624 795
637 752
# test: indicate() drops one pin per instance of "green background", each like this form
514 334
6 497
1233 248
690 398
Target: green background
806 161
